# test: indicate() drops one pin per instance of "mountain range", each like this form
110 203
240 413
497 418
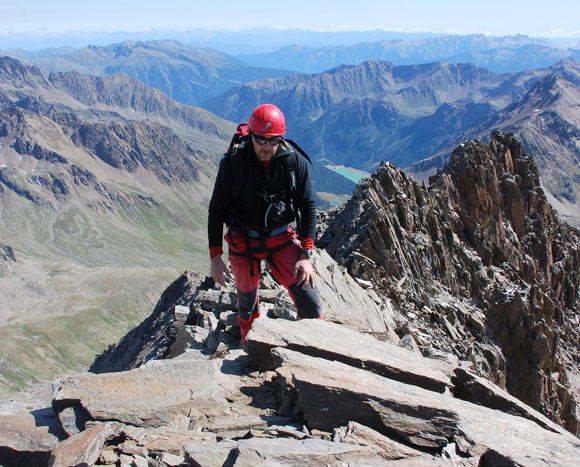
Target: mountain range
412 112
187 74
392 104
360 115
497 54
104 179
546 121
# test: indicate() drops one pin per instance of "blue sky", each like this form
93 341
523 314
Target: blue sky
497 17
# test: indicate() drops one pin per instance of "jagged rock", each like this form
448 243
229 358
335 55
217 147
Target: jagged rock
153 337
472 388
223 424
83 448
210 299
347 346
169 392
189 337
108 457
171 459
287 430
344 301
132 449
214 455
478 265
409 342
331 394
161 440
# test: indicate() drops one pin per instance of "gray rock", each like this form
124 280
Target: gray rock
473 388
148 396
25 441
281 451
388 449
165 439
331 341
223 424
211 455
108 457
344 301
172 460
331 394
83 448
311 452
223 299
188 337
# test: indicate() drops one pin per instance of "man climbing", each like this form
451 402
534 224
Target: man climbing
262 186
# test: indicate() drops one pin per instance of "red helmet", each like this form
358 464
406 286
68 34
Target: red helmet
267 119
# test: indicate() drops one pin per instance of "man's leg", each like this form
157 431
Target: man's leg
247 288
306 298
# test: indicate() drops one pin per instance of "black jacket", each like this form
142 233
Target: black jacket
251 207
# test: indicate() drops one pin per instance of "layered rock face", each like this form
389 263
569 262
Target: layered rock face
477 264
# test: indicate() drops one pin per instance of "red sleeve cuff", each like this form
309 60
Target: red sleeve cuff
215 251
307 243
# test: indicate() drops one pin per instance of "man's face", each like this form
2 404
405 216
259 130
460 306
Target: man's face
265 146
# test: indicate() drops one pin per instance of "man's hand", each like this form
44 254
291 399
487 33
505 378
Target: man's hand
304 272
218 269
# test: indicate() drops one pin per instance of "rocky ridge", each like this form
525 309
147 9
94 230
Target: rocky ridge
477 264
332 392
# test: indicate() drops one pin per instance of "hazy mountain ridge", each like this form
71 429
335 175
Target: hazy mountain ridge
498 54
187 74
239 41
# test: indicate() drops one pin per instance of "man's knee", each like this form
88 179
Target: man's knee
307 301
247 303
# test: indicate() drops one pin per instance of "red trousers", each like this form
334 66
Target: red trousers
282 263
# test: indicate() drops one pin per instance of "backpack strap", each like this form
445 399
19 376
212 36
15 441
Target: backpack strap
299 149
290 165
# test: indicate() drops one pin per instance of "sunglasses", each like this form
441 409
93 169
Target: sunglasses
261 139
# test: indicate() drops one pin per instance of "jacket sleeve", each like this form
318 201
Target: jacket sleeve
305 199
218 206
